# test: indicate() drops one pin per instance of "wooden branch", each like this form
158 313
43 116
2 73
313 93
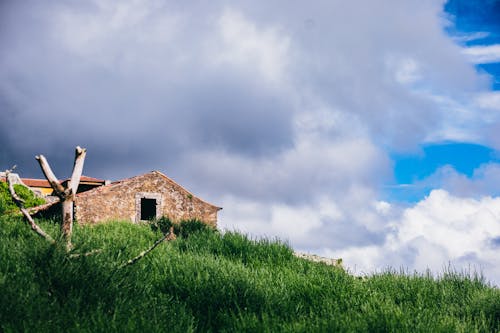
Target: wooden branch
47 171
77 169
143 253
17 199
19 203
86 254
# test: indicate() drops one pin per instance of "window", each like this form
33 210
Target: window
148 209
148 206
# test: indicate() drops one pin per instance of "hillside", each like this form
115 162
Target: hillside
212 282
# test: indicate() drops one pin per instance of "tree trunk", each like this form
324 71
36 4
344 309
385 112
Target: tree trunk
67 223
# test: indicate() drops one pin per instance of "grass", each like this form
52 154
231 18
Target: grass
211 282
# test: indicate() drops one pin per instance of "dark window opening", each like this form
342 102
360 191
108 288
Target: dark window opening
148 209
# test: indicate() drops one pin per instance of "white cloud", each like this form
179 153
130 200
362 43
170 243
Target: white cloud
468 37
243 44
489 100
440 230
114 35
327 223
314 167
485 180
406 69
483 54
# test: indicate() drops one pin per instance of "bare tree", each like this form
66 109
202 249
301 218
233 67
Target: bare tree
65 194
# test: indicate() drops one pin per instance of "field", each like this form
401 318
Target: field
207 281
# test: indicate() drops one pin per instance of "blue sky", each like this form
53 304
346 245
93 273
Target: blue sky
463 157
366 130
472 24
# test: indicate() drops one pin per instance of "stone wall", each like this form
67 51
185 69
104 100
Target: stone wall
121 201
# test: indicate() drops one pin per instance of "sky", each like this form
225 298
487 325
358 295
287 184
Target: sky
360 130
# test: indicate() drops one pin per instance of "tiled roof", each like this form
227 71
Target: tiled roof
91 179
33 182
86 179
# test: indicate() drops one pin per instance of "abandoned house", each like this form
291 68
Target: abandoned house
140 198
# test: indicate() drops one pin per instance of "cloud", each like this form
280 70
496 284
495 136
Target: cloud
471 36
438 231
327 224
240 43
485 180
127 79
489 100
313 168
483 54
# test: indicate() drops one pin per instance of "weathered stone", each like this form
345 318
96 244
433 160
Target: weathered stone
316 258
121 200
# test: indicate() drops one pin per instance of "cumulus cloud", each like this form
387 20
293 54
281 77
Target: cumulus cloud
484 181
438 231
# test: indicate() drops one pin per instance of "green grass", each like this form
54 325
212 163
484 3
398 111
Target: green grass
214 282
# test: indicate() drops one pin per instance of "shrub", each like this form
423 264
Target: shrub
6 203
163 224
3 205
189 227
184 229
30 199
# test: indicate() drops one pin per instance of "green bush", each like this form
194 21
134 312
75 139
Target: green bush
192 226
162 224
7 205
183 229
3 205
30 199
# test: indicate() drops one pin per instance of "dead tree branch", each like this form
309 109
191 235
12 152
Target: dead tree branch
143 253
47 171
77 169
20 203
86 254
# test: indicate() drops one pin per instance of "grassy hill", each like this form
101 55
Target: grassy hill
212 282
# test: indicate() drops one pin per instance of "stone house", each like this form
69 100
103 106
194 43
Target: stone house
141 198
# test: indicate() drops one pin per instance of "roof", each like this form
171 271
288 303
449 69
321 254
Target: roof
86 179
91 179
31 182
105 187
35 182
